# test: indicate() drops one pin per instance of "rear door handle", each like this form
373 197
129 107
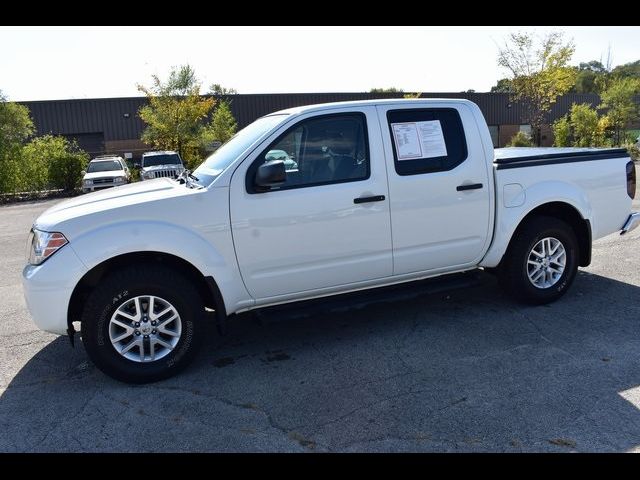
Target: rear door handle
375 198
470 186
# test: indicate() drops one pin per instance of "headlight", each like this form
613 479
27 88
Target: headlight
119 179
87 182
44 244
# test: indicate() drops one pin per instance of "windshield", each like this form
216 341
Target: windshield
104 166
157 160
227 153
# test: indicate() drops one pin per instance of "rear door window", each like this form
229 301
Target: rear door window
426 140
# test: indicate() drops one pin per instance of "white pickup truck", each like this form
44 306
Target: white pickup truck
375 193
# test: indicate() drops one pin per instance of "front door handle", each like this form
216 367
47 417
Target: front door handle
470 186
375 198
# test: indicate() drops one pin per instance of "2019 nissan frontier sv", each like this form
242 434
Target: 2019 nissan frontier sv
375 193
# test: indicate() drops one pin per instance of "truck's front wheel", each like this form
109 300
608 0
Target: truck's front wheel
541 262
143 324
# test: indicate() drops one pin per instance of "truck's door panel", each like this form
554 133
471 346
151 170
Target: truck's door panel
309 233
439 192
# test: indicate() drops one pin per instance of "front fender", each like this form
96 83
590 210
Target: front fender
103 243
536 195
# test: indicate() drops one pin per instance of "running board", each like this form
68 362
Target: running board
364 298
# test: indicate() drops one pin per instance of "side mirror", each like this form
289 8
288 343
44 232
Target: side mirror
271 174
83 173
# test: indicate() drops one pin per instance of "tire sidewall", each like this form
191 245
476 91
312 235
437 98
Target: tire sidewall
95 330
558 289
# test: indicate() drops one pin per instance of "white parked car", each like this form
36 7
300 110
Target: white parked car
385 191
104 172
162 164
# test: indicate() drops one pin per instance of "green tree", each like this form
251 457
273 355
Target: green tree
628 70
219 90
539 73
176 116
386 90
590 77
503 86
16 127
520 139
618 100
222 127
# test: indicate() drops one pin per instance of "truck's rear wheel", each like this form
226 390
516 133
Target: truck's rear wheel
143 324
541 262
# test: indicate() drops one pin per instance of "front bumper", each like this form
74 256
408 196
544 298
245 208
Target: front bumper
632 222
48 288
93 188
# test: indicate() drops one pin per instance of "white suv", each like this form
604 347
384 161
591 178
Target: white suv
163 164
105 172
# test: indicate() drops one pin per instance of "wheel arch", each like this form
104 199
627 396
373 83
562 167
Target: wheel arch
571 216
568 214
206 285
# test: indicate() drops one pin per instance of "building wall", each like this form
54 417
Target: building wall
116 120
135 146
506 132
546 136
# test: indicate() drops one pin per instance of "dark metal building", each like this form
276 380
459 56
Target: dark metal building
112 125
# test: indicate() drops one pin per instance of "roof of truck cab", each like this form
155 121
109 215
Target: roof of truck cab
359 103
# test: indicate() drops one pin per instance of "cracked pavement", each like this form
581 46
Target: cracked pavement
467 370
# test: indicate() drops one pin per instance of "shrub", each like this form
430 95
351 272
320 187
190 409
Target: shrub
584 123
65 171
582 128
33 169
10 176
60 160
561 132
520 139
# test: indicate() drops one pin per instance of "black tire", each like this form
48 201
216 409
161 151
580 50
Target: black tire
120 286
512 273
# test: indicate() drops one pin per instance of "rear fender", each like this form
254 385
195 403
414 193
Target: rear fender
508 219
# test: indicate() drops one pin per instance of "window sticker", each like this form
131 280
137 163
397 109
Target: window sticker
419 140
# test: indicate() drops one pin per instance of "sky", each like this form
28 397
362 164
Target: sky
45 63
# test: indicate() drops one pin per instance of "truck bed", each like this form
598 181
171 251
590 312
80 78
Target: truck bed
591 180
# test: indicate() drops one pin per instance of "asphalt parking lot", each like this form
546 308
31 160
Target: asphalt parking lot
467 370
